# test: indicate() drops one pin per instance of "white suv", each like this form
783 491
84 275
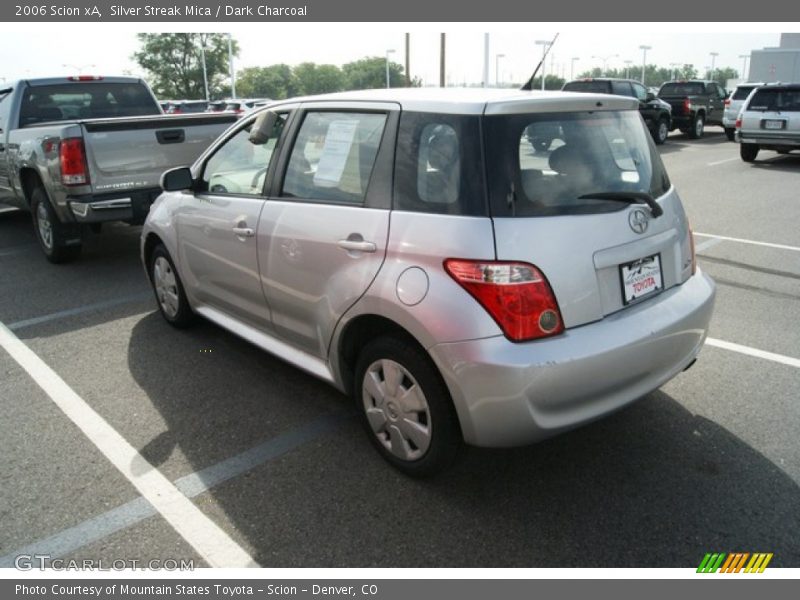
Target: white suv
770 120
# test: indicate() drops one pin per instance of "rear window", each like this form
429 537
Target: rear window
787 100
594 87
742 92
83 100
540 165
681 89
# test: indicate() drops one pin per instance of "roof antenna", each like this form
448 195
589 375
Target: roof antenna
529 84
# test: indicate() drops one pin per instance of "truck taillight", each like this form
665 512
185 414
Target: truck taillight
73 162
687 106
516 295
85 78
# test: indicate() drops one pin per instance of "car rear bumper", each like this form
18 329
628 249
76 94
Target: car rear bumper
130 207
787 141
509 394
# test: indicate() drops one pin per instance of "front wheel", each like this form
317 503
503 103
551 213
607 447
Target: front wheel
171 298
730 133
405 407
60 242
698 127
661 132
748 152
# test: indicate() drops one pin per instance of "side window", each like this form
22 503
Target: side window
5 110
639 92
711 89
723 93
621 88
239 166
333 156
438 165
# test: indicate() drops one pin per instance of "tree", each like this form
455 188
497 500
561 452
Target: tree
174 64
370 72
275 81
318 79
721 76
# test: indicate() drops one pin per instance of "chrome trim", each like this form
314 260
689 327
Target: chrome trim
111 204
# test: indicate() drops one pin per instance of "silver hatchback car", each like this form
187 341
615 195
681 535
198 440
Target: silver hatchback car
418 251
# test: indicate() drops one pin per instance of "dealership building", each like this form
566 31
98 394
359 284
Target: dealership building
777 64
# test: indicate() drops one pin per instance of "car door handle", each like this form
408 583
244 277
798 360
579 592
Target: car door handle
357 246
244 231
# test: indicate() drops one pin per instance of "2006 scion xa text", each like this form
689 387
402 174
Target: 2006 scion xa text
476 266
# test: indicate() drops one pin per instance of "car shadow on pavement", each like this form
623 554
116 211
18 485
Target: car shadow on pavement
771 161
651 486
677 141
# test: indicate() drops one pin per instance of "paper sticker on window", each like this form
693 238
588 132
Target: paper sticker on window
338 144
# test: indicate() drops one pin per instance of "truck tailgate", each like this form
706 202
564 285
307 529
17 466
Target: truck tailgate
127 154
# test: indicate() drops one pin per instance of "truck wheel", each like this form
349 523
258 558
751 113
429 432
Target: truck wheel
60 242
698 126
748 152
405 407
170 295
730 132
661 132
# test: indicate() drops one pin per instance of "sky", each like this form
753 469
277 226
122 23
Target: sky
106 49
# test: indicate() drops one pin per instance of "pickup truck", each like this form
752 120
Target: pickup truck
695 104
80 151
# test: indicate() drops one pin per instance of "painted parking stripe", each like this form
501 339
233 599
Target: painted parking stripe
71 312
778 358
720 162
753 242
212 544
194 484
707 244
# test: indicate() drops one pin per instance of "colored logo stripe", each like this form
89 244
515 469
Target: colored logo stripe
734 563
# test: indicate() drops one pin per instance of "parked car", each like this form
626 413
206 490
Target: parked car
185 107
81 151
241 106
216 106
733 104
695 104
656 113
516 294
769 120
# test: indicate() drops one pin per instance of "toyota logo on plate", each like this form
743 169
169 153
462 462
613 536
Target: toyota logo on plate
638 220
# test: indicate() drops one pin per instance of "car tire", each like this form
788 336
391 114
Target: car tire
405 407
168 288
748 152
661 132
60 242
730 133
698 127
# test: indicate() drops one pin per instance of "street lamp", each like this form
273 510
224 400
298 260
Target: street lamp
605 60
714 56
644 50
744 64
497 58
628 64
544 44
230 66
572 67
203 60
388 52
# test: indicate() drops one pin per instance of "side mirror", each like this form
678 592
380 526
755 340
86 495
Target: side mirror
177 179
263 127
650 97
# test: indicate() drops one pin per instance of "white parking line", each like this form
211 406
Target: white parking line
778 358
719 162
753 242
205 536
707 244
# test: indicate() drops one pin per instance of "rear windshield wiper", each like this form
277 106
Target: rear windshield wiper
630 197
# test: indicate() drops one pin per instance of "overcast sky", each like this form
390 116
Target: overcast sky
41 50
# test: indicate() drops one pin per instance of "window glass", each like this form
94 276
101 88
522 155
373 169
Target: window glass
587 85
681 89
639 92
333 156
239 166
585 153
772 99
742 92
621 88
438 164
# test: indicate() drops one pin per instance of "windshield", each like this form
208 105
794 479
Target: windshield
540 165
681 89
70 101
787 100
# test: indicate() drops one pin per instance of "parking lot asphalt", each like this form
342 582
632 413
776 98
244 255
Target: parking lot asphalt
276 460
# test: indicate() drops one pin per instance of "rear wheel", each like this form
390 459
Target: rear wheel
698 127
661 132
730 133
60 242
405 407
748 152
171 298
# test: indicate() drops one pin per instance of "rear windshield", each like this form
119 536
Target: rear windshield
540 165
742 92
787 100
70 101
193 107
595 87
681 89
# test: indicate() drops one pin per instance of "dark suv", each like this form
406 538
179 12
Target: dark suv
656 113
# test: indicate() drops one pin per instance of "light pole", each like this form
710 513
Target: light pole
544 44
628 64
714 56
230 66
644 50
744 64
605 60
388 52
572 67
203 60
497 58
675 72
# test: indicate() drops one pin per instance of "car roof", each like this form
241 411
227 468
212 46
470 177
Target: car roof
477 100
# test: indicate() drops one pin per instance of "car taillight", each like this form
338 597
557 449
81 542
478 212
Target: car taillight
687 105
516 295
73 162
738 124
727 102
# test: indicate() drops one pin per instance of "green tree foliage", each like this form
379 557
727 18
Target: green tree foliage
275 81
312 78
722 76
370 72
174 65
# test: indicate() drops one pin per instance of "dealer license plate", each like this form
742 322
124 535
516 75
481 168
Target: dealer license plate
774 124
641 278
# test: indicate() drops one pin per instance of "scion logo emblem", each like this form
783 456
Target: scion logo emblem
638 220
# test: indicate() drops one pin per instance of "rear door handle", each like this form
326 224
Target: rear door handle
244 231
357 246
